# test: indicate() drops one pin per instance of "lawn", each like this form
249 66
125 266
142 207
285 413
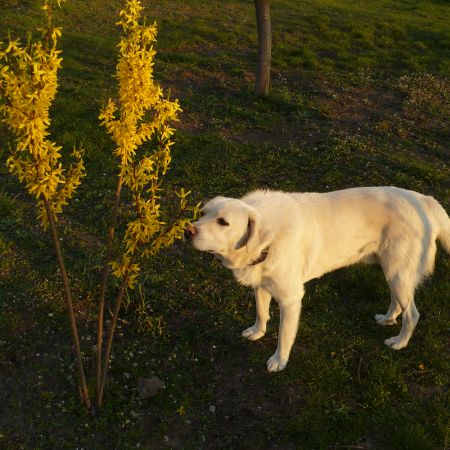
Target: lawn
360 96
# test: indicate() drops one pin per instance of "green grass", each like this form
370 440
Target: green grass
360 96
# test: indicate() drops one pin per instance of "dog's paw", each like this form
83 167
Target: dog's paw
275 363
384 320
253 333
395 343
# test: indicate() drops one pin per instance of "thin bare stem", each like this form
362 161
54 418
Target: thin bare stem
104 279
69 304
112 330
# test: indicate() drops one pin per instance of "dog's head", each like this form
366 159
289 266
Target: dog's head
231 230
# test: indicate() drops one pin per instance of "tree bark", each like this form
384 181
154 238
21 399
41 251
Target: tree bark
264 46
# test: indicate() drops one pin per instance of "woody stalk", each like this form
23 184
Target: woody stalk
139 124
28 85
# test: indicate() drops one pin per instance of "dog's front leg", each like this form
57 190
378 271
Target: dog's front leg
258 330
289 316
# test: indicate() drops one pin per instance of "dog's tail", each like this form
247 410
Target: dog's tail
443 221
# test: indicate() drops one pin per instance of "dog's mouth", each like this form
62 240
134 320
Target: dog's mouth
187 237
191 239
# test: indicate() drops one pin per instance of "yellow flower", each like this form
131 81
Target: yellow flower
141 115
28 85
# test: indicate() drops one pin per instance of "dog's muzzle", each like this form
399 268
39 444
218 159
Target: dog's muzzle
190 232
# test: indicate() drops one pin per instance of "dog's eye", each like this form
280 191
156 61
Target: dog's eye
222 221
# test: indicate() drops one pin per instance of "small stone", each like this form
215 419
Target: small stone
212 409
149 387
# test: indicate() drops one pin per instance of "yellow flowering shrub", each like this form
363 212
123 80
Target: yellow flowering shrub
28 85
142 115
139 123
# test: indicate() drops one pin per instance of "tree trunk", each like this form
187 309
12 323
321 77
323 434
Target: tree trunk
264 46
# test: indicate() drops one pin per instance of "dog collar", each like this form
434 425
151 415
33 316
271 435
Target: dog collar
261 257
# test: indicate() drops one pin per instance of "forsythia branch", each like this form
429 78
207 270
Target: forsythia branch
141 115
28 84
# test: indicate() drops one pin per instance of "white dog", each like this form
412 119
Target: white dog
277 241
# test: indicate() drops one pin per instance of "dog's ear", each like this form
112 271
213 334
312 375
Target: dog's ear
258 238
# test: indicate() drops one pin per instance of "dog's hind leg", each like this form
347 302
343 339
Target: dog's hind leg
404 264
258 330
403 292
393 312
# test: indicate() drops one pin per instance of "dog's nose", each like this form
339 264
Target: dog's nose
190 231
